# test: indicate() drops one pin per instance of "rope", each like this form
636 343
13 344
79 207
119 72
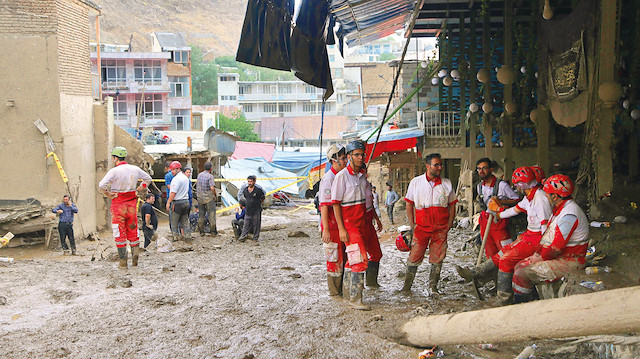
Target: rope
416 12
320 139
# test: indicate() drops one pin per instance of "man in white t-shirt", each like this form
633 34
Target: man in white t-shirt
178 203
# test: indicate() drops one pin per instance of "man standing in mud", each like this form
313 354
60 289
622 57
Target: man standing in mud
254 196
178 203
431 203
120 184
348 198
205 186
66 209
390 201
333 247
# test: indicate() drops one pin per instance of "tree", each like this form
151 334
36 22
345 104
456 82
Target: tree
240 125
204 79
387 56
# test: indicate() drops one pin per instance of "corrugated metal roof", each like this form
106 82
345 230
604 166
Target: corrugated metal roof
368 20
171 41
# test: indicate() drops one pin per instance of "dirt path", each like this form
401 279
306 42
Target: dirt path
218 299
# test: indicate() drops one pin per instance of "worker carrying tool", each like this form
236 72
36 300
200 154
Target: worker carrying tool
120 184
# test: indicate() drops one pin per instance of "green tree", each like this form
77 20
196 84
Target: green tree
240 125
204 79
387 56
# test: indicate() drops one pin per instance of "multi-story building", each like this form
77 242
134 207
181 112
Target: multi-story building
150 89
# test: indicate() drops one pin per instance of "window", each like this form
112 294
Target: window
179 86
227 78
309 107
309 89
284 107
327 107
268 89
197 122
179 118
148 71
372 58
181 57
270 108
376 49
120 107
151 107
285 88
244 89
332 58
114 72
248 107
387 48
338 73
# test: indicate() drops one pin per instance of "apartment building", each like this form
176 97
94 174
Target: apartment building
150 89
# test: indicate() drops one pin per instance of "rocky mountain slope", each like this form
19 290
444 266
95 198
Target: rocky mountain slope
211 24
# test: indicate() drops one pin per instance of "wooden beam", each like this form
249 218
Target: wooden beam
542 122
486 59
463 84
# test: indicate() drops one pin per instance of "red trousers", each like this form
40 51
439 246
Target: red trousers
124 219
435 241
356 236
335 260
498 237
371 240
513 253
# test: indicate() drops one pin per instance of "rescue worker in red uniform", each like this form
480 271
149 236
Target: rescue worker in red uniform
371 239
430 210
348 198
563 245
499 235
333 247
536 205
120 184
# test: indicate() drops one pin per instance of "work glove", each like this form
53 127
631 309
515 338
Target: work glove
494 206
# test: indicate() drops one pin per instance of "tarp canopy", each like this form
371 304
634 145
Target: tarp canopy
238 170
294 160
392 141
252 150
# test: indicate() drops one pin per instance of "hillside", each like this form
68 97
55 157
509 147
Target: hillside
211 24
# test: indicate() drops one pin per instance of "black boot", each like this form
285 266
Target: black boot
521 298
434 277
335 285
372 275
484 269
504 288
409 276
346 284
122 258
357 286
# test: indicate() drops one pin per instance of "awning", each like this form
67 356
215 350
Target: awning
392 141
252 150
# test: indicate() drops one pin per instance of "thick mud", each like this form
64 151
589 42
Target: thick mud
218 298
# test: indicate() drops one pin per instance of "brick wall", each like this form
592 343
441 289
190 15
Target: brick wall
28 16
427 96
74 65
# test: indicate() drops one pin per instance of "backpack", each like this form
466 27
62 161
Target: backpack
496 187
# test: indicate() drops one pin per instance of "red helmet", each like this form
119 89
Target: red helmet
403 242
558 184
174 165
539 173
523 175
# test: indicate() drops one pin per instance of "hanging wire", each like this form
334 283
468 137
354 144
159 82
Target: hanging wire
416 12
320 172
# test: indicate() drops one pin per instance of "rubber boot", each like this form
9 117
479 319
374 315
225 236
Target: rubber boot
346 284
434 277
484 269
504 288
372 274
135 252
521 298
357 286
122 258
335 285
409 276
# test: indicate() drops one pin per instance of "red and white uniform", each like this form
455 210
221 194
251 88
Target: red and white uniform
334 262
431 200
563 249
348 190
538 210
499 235
371 239
123 179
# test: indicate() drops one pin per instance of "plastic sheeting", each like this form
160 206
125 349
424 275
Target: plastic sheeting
253 149
265 39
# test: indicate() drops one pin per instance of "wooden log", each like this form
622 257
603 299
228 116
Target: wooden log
607 312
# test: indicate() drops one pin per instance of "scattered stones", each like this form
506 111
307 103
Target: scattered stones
185 249
60 295
207 276
158 301
16 317
166 269
249 356
3 300
376 318
120 282
297 234
295 275
287 268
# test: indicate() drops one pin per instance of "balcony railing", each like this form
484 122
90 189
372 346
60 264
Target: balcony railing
439 124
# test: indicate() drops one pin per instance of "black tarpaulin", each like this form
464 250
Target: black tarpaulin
265 39
309 57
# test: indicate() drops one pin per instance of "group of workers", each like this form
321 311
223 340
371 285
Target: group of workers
554 243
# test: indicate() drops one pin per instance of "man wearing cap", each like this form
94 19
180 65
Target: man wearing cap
333 247
120 184
563 245
431 203
348 198
178 203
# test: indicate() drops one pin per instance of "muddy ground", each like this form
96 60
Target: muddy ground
218 298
